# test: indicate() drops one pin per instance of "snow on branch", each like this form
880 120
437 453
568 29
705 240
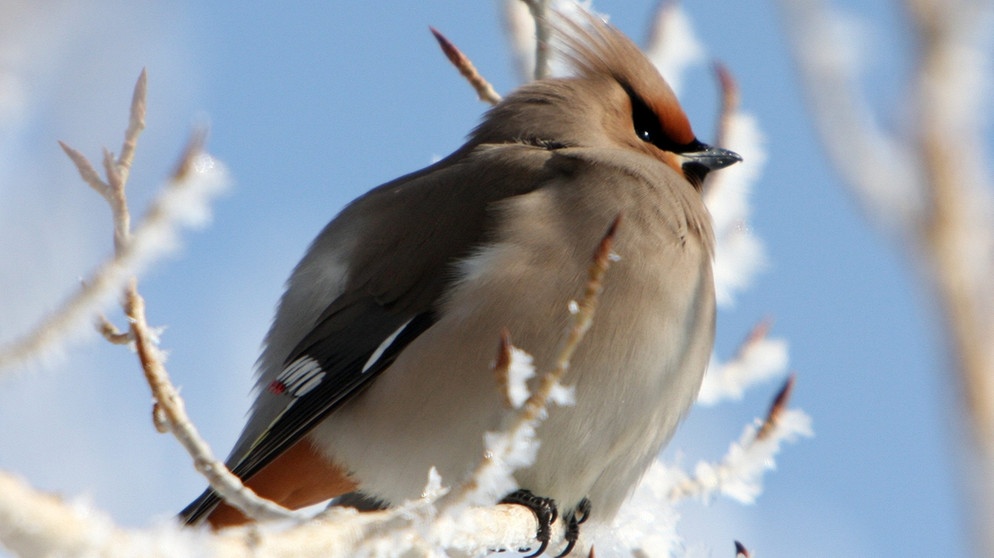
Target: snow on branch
758 359
739 473
37 524
647 525
182 203
179 199
739 255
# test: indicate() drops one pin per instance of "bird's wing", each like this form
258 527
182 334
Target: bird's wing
403 241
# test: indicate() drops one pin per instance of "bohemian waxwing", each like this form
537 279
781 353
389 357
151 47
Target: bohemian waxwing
378 363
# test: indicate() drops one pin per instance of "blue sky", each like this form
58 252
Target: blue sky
311 105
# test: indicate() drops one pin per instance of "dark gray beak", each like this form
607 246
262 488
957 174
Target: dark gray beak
700 159
711 158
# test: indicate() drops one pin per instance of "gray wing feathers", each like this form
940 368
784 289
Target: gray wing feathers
379 259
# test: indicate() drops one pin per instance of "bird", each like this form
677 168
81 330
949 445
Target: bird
377 366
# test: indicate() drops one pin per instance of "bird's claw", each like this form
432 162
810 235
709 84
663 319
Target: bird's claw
545 511
576 517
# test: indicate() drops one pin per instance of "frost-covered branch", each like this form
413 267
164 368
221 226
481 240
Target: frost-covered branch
646 526
956 231
183 201
739 473
180 197
33 523
739 255
758 359
170 415
181 204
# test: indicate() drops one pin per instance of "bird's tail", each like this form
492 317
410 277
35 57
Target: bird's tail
199 509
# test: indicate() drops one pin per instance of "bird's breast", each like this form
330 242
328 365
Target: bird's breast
634 374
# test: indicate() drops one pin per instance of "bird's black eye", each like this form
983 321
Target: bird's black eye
646 123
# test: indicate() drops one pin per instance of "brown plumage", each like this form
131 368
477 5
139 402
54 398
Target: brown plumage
376 367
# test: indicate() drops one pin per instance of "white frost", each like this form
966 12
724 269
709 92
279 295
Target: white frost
758 361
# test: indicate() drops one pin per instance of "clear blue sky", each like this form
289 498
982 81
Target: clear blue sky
312 103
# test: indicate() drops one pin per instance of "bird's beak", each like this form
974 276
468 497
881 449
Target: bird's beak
711 158
702 159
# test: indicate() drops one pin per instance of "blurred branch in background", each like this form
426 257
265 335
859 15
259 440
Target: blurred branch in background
184 203
928 182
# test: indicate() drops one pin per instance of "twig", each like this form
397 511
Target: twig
111 333
522 424
188 158
955 234
483 89
169 413
582 321
86 171
730 100
170 407
136 123
757 359
739 472
729 106
148 241
33 523
133 249
519 26
543 33
502 367
777 408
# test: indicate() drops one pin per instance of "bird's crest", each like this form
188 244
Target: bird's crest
594 49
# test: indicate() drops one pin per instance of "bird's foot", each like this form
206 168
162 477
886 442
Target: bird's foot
573 521
545 511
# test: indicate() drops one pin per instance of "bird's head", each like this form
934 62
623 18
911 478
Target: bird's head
615 98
